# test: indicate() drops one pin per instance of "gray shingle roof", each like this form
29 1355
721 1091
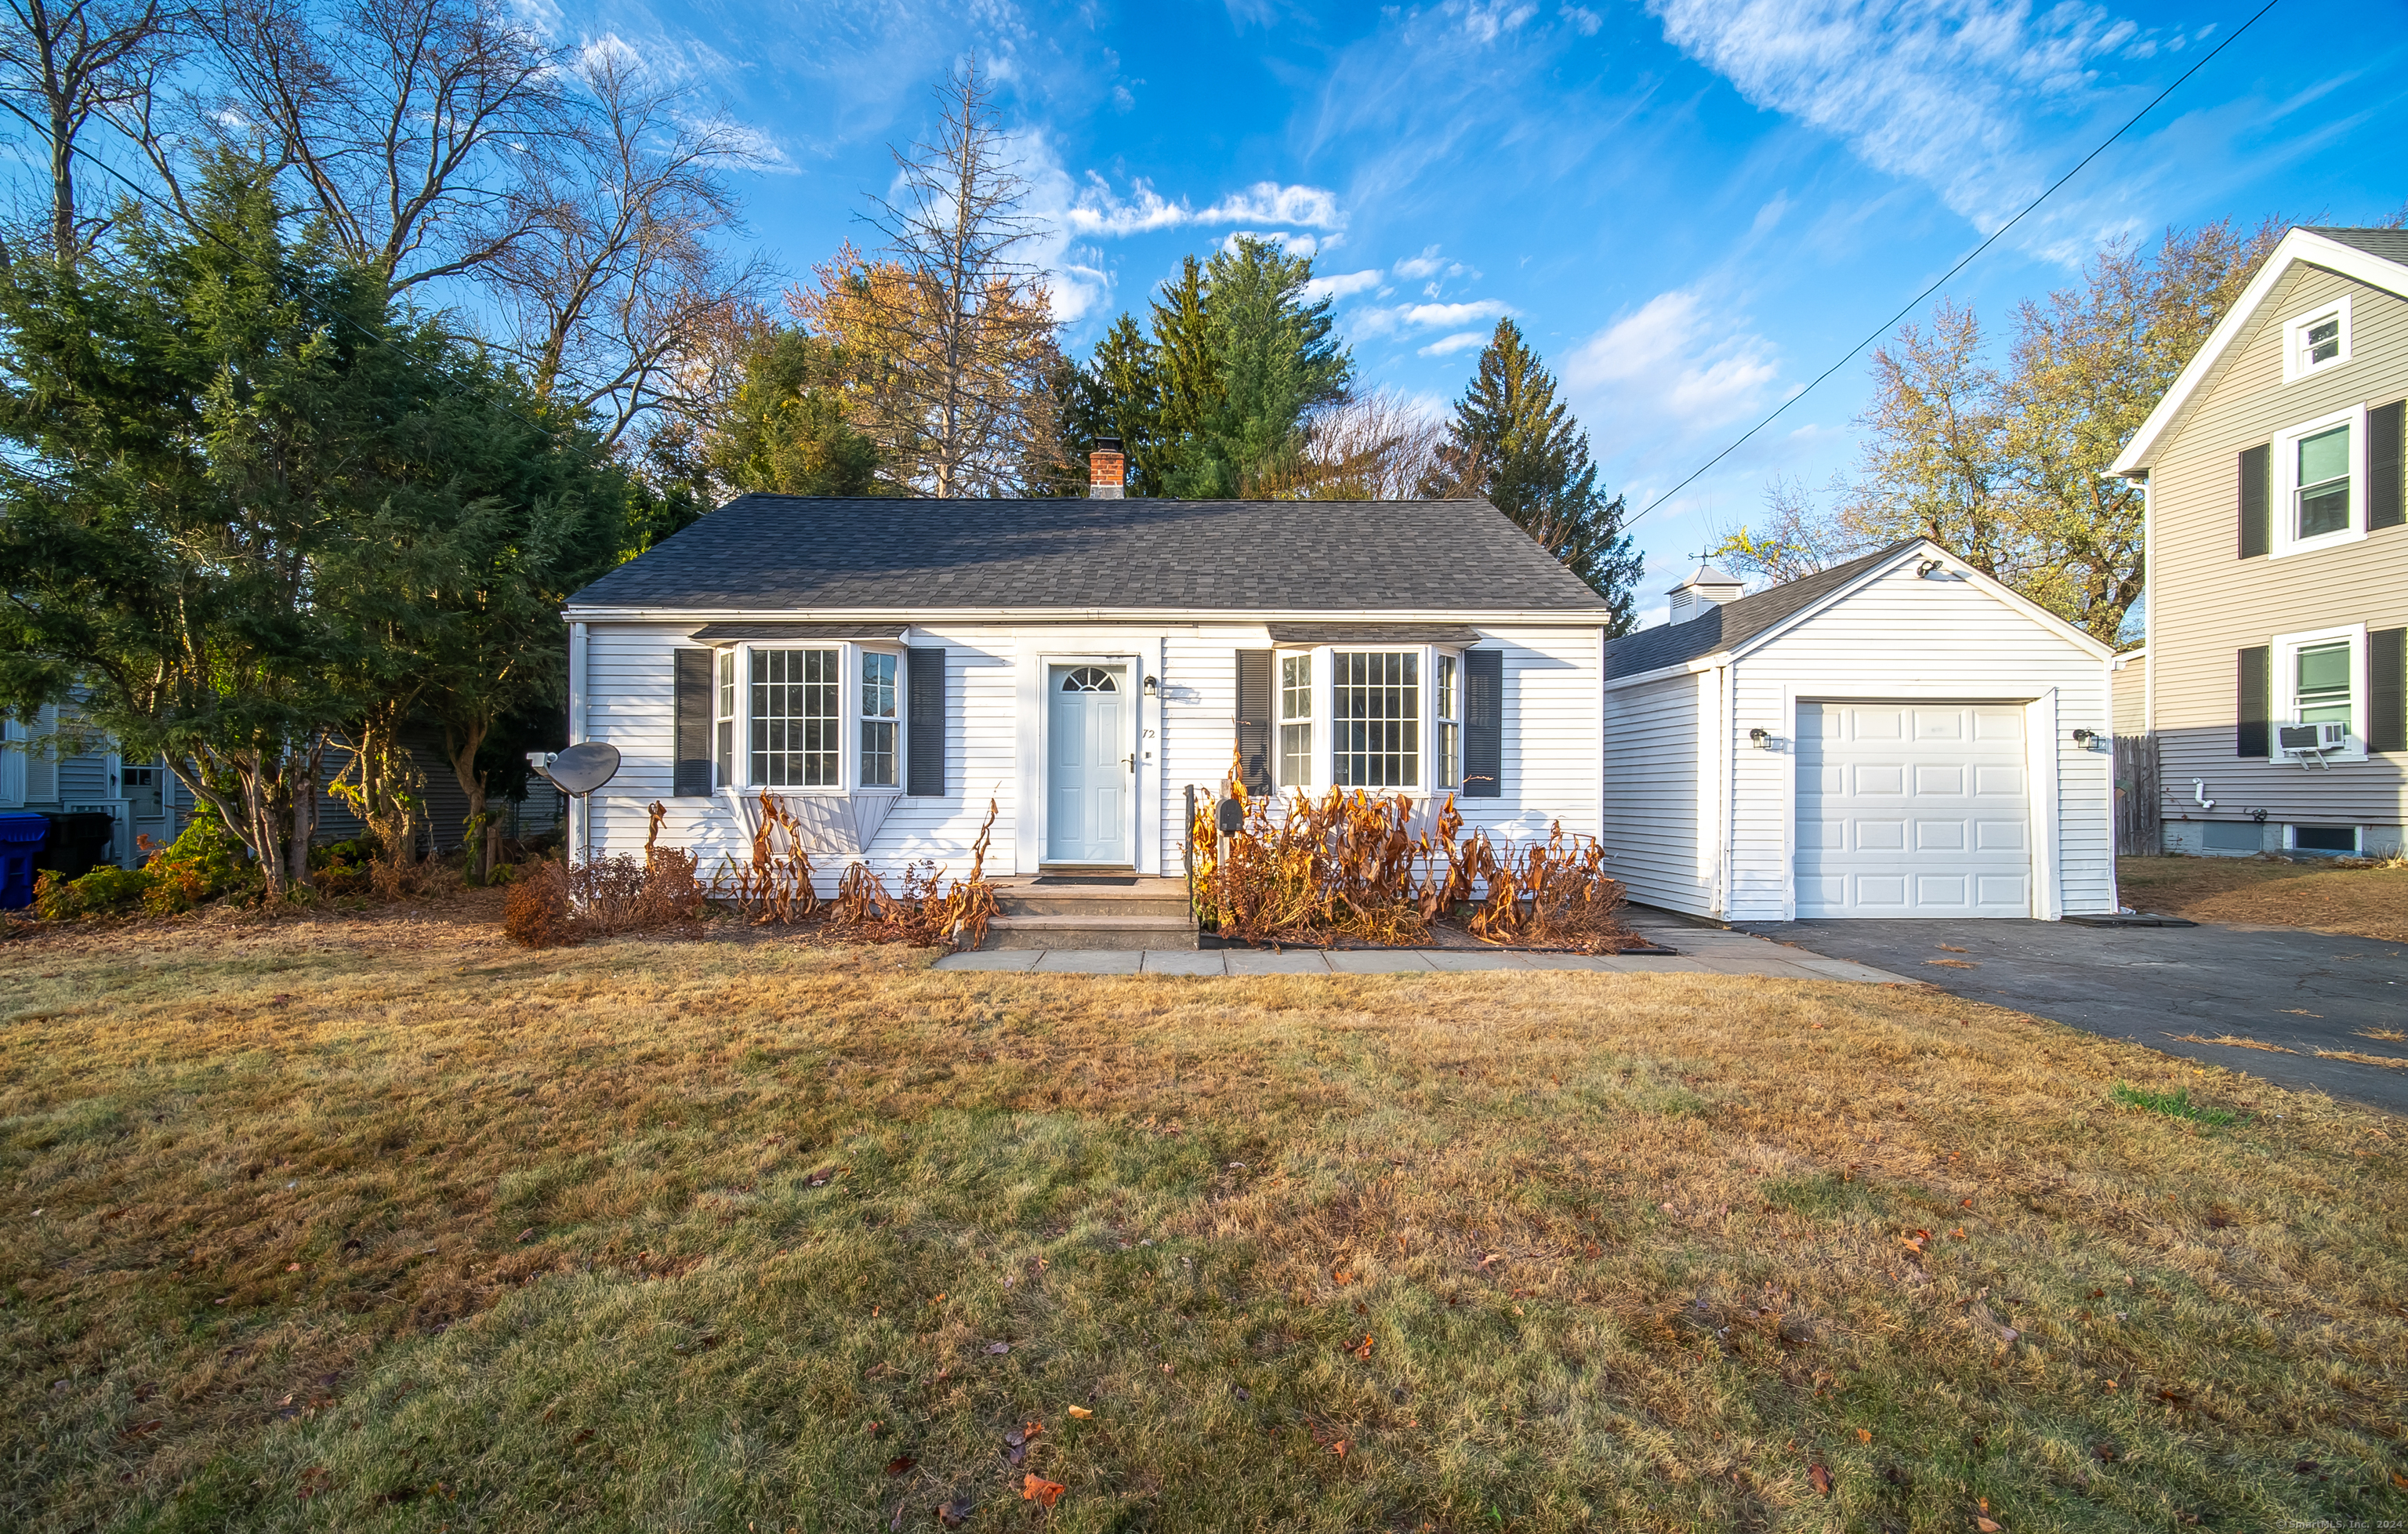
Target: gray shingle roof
2390 244
1735 623
766 553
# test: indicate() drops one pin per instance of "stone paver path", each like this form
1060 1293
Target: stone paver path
1700 950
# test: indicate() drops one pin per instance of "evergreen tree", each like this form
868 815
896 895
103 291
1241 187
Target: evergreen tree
1122 398
785 428
1513 441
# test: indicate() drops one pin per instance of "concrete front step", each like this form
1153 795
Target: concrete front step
1050 902
1083 931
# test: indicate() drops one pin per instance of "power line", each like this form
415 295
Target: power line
1916 301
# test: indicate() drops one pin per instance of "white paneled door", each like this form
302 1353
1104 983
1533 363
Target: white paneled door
1913 810
1087 772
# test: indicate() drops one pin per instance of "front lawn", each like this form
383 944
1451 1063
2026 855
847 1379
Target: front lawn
2367 901
380 1224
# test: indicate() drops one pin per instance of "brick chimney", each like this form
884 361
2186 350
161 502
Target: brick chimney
1107 470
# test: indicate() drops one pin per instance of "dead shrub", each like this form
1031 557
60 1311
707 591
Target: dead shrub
1352 865
929 914
774 884
558 904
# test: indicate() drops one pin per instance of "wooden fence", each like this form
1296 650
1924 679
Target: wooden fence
2138 833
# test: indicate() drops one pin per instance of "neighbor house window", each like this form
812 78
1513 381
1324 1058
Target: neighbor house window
2316 341
2319 486
1376 714
2320 677
1448 716
725 758
2322 498
1296 721
795 718
877 720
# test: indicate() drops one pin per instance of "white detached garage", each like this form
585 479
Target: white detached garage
1900 736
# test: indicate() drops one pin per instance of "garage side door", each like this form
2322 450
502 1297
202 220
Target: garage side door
1913 810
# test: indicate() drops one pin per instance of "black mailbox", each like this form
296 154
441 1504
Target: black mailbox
1230 817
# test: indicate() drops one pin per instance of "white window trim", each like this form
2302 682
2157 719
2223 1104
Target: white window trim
2295 342
2285 512
849 717
1324 722
1315 722
2285 700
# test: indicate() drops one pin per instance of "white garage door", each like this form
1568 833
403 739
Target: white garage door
1913 810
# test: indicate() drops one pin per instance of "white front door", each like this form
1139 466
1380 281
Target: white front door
1087 769
1913 810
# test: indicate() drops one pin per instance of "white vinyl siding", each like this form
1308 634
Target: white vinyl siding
1653 734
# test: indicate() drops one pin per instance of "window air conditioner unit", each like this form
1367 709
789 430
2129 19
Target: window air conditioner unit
2312 742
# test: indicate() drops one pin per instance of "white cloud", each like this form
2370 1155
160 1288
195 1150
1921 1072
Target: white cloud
1668 376
1288 241
1583 20
1433 315
1462 340
1484 22
1935 90
1429 264
1097 210
1343 284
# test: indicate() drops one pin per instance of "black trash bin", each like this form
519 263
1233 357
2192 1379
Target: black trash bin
79 841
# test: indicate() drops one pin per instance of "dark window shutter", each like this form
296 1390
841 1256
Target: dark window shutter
2387 688
2253 706
2257 487
692 778
2383 465
1484 723
924 711
1255 719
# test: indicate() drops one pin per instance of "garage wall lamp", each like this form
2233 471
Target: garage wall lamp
1760 739
2086 738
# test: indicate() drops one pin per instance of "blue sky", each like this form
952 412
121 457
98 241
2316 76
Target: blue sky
1691 205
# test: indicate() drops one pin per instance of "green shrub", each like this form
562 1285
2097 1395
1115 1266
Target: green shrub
204 862
98 893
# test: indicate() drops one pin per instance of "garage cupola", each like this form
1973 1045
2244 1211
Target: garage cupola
1708 589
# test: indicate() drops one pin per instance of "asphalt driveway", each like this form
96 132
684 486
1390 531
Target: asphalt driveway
2299 991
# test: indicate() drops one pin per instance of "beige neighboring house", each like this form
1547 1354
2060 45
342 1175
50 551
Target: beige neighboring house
2278 560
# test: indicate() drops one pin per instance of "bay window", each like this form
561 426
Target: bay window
877 725
724 721
1296 721
1447 712
795 740
1376 715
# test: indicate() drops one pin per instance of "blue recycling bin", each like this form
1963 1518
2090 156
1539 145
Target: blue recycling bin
20 845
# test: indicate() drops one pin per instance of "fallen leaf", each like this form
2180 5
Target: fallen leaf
2399 1481
293 1267
1081 1412
953 1515
1864 1435
526 1235
144 1430
1988 1526
998 1348
1364 1350
1821 1477
1341 1277
1953 963
1044 1493
1951 948
900 1463
1339 1448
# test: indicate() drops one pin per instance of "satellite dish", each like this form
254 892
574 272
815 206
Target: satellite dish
584 767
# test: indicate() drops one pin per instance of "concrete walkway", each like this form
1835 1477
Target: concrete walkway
1700 951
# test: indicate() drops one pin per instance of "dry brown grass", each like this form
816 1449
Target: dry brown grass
379 1224
2366 902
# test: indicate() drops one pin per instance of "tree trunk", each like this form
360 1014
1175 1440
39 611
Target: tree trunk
460 747
313 760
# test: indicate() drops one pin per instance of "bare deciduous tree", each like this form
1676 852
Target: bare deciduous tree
1373 445
615 285
413 126
957 328
66 63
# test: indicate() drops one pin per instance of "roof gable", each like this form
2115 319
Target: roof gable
2376 257
826 556
1736 627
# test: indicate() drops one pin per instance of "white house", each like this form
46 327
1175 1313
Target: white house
886 668
1898 736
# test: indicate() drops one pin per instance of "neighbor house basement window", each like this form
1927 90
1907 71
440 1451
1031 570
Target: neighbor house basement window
1296 721
795 718
1376 712
878 723
2323 496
